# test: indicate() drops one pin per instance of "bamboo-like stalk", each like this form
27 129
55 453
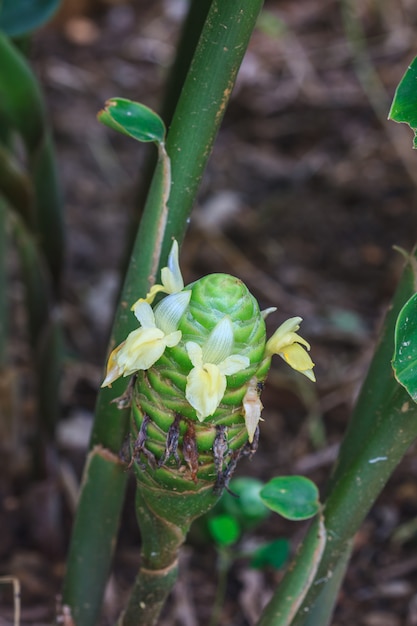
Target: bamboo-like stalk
383 426
44 324
21 104
355 493
162 537
195 124
103 491
190 34
34 204
371 400
322 611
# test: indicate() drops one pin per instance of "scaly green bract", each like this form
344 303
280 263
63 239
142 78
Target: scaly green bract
160 391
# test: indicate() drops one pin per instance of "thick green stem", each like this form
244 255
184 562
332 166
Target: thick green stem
322 611
191 31
103 490
197 119
149 594
164 519
189 37
383 426
371 401
290 594
353 496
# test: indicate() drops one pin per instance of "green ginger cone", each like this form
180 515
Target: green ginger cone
199 359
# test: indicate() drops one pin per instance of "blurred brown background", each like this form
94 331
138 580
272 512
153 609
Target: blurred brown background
307 191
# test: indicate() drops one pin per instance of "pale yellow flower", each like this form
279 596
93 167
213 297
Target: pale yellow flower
171 278
145 345
291 347
206 382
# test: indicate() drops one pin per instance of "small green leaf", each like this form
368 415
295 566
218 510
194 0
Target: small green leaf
247 507
272 25
133 119
224 529
293 497
273 554
19 17
404 362
404 105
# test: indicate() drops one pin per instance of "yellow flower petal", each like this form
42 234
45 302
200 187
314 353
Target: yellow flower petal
171 278
289 346
297 358
144 314
173 339
114 371
206 383
284 335
150 296
205 389
195 353
142 348
277 346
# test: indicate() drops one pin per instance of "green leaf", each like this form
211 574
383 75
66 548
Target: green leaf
293 497
271 25
247 507
404 105
404 362
272 554
133 119
19 17
224 529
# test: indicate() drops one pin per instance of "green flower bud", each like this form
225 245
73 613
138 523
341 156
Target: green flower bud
224 327
200 357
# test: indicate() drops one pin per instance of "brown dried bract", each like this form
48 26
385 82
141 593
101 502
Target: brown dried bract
139 446
190 451
171 446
